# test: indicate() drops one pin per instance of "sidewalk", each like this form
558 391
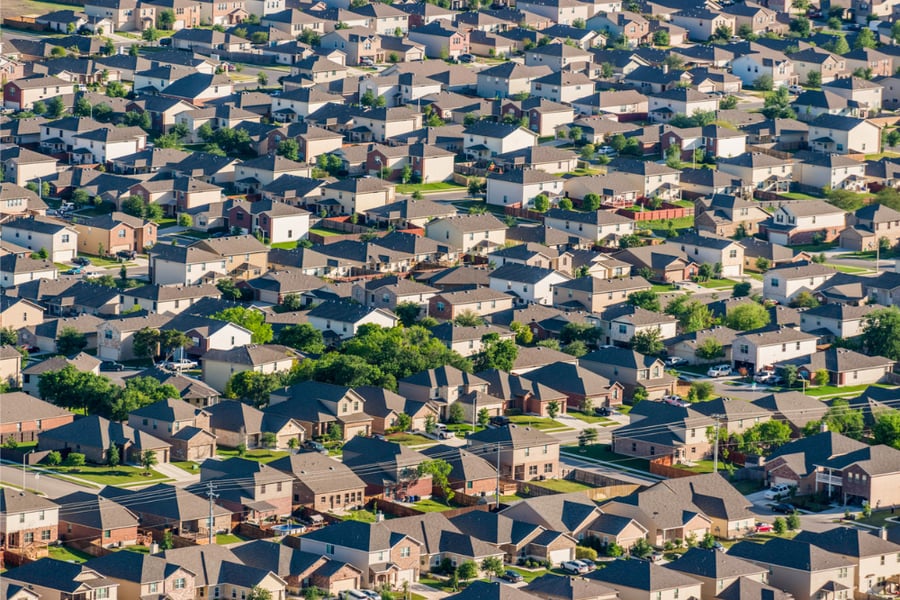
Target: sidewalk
179 475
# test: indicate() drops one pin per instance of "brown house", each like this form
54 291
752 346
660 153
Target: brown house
115 232
181 424
86 518
24 417
321 483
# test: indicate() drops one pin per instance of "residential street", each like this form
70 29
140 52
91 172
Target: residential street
50 486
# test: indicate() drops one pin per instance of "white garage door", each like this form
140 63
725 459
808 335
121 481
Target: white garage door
559 556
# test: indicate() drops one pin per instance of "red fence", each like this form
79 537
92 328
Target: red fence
666 211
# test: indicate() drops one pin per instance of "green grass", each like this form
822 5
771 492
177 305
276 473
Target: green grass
187 465
285 245
105 475
325 232
881 155
869 255
366 516
846 269
663 288
536 422
717 283
463 429
798 196
438 186
138 549
228 538
815 247
594 419
40 8
166 222
747 486
600 452
663 224
563 486
101 261
527 575
509 498
263 456
68 554
879 518
428 505
700 466
830 390
410 439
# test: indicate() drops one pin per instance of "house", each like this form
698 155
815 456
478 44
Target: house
794 408
784 283
530 284
18 313
28 521
631 369
517 538
670 432
115 338
57 238
759 18
161 299
356 196
469 474
235 423
24 417
321 483
94 435
735 415
114 232
519 187
570 513
631 26
469 340
508 79
339 319
679 101
312 141
527 454
388 292
758 350
837 320
728 215
219 366
802 222
868 550
702 23
383 556
191 390
869 225
580 387
545 158
21 165
594 294
319 407
440 39
166 507
686 346
802 569
613 529
442 387
468 234
796 463
137 574
183 425
278 222
387 468
298 569
716 570
712 249
826 65
621 323
597 226
759 171
486 139
845 367
616 190
16 269
21 94
82 362
249 489
208 41
643 580
759 61
842 135
91 519
481 301
58 580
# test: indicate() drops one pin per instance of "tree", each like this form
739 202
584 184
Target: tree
648 341
575 133
801 26
268 439
708 542
168 540
496 354
70 341
728 103
288 148
710 349
408 313
165 19
723 33
39 108
252 386
660 37
646 299
881 332
641 548
55 108
821 377
8 336
456 414
303 337
541 203
591 202
439 469
749 316
838 45
250 319
673 156
112 456
790 375
262 79
814 79
865 39
588 151
133 205
614 550
53 458
553 408
762 264
584 552
741 289
841 418
779 525
467 570
703 390
523 333
804 300
493 565
778 105
258 593
886 429
763 83
793 521
75 459
468 318
587 436
431 423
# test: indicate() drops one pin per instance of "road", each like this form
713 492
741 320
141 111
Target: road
50 486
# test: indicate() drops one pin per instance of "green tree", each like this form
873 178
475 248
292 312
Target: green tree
541 203
703 390
614 550
112 456
252 320
841 418
76 459
641 548
553 408
258 593
439 469
804 300
496 354
484 417
53 458
467 570
523 333
748 316
778 105
229 290
865 39
55 108
456 414
728 103
801 26
763 83
185 220
790 375
881 332
288 148
408 313
403 423
468 318
133 205
886 428
303 337
648 341
821 377
268 439
8 336
591 202
814 79
710 349
493 565
762 264
646 299
793 521
70 341
253 386
660 37
165 19
779 525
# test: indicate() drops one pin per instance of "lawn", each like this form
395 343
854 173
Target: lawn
798 196
285 245
815 247
700 466
881 155
325 232
101 261
68 554
463 429
410 439
879 518
510 498
747 486
166 222
32 7
186 465
717 283
438 186
366 516
594 419
830 390
846 269
529 575
600 452
663 288
429 505
536 422
563 486
105 475
228 538
138 549
263 456
663 224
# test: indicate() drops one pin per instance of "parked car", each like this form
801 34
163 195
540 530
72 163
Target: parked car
602 411
512 577
165 41
446 435
606 150
73 271
316 446
763 528
111 365
499 421
784 508
81 260
656 557
767 377
777 491
183 363
126 254
795 89
466 58
673 361
719 371
366 61
575 566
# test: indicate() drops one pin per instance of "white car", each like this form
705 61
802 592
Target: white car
719 371
777 491
182 364
575 566
795 89
606 150
675 360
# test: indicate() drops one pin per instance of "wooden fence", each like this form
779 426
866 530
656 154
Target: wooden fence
668 211
27 23
523 213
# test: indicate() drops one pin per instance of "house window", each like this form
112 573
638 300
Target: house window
404 552
548 468
29 537
775 283
45 535
153 587
107 533
329 549
532 470
101 593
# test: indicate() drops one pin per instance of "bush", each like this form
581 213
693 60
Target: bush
75 459
53 458
584 552
779 525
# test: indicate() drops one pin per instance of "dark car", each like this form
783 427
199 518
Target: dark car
466 58
111 365
499 421
126 254
602 411
81 260
784 508
512 577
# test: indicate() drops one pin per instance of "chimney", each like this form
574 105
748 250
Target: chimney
882 533
665 68
379 517
823 426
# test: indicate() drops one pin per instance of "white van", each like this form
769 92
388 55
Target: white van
777 491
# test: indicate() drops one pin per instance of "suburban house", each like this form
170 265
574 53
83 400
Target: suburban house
670 432
526 454
235 423
598 226
94 435
843 135
321 483
183 425
320 407
27 521
756 351
801 222
784 283
338 319
57 238
219 366
65 580
88 518
631 369
25 417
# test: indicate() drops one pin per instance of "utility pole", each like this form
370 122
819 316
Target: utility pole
212 495
498 475
716 417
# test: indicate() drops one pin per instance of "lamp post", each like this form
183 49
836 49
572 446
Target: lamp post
24 472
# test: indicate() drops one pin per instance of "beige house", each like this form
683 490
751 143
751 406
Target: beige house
716 570
799 222
21 165
235 423
836 133
645 580
356 196
21 94
16 313
711 249
10 366
476 234
115 338
759 171
526 454
57 238
468 340
602 226
784 283
755 351
219 366
872 554
481 301
595 294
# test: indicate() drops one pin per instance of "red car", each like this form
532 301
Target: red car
763 528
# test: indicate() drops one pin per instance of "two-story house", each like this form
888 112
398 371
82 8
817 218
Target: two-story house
843 135
801 222
712 249
631 369
57 238
465 234
181 424
525 453
756 351
27 520
598 226
321 407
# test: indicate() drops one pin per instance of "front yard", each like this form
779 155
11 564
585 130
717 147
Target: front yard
592 419
410 439
537 422
123 475
261 455
600 452
439 186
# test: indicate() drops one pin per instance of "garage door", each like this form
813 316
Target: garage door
559 556
107 353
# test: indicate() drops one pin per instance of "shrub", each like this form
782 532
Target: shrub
75 459
53 458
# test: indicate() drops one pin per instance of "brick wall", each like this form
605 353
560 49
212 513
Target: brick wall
76 531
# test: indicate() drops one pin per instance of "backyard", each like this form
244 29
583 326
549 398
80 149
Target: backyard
439 186
601 452
563 486
410 439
